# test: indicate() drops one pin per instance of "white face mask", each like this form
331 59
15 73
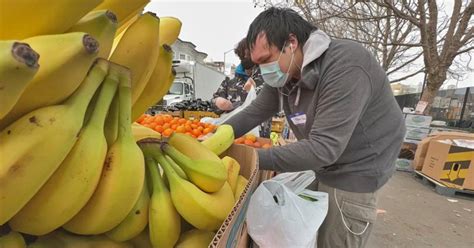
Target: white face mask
272 73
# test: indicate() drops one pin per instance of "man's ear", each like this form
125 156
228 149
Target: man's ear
293 41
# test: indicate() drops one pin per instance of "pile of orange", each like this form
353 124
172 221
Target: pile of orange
167 124
251 140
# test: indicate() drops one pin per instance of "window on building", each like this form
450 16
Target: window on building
182 56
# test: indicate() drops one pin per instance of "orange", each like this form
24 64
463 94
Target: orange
206 130
182 121
141 118
196 132
251 137
166 126
239 140
152 125
159 120
196 121
188 128
194 126
174 126
174 121
180 129
148 120
159 128
266 146
248 142
167 132
257 144
200 128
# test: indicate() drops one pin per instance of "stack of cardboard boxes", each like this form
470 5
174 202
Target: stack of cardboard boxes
442 157
418 128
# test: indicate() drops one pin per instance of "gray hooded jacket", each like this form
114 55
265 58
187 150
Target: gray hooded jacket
350 126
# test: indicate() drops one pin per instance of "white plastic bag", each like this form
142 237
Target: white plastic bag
252 95
280 213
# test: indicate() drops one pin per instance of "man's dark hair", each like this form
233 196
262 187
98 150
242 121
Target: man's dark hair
278 24
242 49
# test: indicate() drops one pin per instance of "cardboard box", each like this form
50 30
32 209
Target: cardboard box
416 133
173 113
450 164
413 120
232 232
199 114
424 145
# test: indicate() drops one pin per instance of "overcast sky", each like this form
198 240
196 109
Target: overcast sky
216 26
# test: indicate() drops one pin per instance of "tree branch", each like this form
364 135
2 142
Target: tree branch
407 76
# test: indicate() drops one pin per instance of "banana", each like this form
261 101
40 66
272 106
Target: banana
138 50
18 65
74 182
158 84
192 148
62 239
176 167
112 122
142 240
164 222
241 185
121 8
208 175
195 239
27 18
141 133
122 176
136 220
12 240
51 132
203 210
131 18
170 27
102 25
61 72
222 139
233 169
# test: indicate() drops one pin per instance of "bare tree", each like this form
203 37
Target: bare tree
400 33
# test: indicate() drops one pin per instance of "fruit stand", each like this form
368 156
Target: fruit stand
82 164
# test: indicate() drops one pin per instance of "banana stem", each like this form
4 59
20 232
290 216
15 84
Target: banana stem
125 103
106 95
156 180
151 150
81 98
176 155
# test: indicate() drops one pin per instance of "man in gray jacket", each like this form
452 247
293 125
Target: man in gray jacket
339 104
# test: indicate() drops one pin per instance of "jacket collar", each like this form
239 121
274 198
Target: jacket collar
317 43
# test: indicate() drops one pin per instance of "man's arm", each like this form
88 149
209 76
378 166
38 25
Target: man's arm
263 107
343 100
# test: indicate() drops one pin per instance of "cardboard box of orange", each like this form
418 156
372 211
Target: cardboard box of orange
425 143
450 163
199 114
232 232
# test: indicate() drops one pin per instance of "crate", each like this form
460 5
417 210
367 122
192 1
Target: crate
199 114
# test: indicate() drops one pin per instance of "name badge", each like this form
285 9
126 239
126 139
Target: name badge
298 118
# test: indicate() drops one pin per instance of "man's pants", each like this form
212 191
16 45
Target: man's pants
359 212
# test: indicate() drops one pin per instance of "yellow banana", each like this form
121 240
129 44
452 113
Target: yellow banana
195 239
74 182
170 27
112 122
131 18
12 240
35 145
203 210
138 50
62 239
158 84
136 220
192 148
60 74
241 185
142 240
27 18
121 8
222 139
141 133
102 25
18 65
208 175
122 176
233 169
164 222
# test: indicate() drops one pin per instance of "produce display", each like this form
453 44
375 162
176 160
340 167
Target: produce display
191 105
167 125
251 140
81 165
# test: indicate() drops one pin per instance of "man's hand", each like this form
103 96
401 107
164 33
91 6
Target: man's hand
248 85
223 104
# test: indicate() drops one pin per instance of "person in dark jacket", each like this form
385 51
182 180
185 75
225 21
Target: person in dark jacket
339 104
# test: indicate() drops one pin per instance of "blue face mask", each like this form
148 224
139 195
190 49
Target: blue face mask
272 73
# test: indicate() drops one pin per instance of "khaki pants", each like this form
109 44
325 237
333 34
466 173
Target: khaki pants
359 211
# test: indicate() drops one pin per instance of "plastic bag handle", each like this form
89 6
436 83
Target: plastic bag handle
296 181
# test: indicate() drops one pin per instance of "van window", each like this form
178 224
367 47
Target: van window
186 89
176 89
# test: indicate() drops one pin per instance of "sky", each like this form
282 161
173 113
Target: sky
216 26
